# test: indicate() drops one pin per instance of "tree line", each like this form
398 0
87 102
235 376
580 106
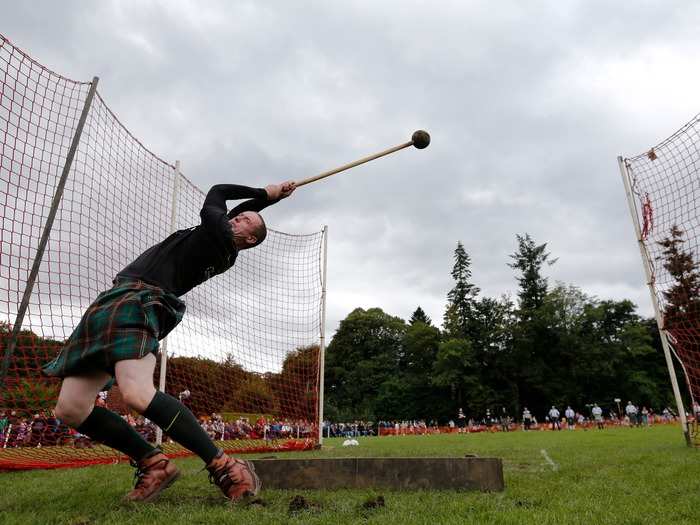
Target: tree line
552 345
214 385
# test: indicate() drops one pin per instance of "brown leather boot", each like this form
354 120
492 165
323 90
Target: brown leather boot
235 477
153 475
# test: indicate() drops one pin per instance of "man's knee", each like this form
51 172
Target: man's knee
137 396
73 413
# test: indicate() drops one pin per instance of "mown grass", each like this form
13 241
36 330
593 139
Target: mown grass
618 476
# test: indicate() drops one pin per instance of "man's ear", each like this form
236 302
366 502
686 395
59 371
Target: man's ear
251 239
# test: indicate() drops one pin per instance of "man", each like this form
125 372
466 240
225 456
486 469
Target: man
527 419
504 420
554 418
597 413
570 418
631 412
461 421
119 333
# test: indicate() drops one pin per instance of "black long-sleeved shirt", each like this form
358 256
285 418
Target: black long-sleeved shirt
189 257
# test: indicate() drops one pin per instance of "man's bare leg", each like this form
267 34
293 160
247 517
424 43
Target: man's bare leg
236 478
135 379
77 397
76 407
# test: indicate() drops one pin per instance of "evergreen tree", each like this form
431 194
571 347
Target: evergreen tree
419 316
683 297
460 299
529 260
533 339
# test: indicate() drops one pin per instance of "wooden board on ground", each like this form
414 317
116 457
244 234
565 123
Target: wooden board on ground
470 473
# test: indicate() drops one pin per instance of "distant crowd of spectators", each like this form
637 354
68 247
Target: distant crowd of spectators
630 415
44 429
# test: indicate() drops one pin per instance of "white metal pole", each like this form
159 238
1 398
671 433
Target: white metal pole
164 344
657 312
322 343
43 242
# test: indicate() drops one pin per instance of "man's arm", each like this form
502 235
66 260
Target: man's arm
214 209
256 205
273 194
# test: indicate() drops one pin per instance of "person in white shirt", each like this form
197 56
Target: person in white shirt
598 416
554 418
527 419
461 421
631 412
570 418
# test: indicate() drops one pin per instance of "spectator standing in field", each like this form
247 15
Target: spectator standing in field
666 414
4 423
527 419
554 418
505 420
631 412
644 417
461 421
598 416
488 421
570 418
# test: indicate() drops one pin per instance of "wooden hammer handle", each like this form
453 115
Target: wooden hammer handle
353 164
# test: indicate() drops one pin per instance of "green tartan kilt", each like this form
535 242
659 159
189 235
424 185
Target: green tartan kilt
124 322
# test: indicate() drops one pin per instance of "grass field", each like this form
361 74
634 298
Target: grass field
618 476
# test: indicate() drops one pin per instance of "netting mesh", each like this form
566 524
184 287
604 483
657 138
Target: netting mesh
244 359
665 182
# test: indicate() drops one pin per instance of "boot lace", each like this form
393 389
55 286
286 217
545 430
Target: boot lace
141 471
221 477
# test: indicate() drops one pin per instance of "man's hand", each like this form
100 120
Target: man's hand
288 188
280 191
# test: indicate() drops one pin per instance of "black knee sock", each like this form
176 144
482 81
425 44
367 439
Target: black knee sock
109 428
179 423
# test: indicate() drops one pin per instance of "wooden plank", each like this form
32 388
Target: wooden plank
483 474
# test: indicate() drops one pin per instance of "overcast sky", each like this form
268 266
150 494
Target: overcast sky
528 105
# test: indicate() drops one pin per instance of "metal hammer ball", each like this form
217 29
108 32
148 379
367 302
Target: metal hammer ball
420 139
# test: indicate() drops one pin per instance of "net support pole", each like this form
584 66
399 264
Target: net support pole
55 203
657 311
164 344
322 342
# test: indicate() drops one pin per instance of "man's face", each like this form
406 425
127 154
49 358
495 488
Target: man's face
244 224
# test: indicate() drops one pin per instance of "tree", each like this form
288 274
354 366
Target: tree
419 316
492 350
681 313
615 356
460 299
683 297
529 259
454 368
533 342
421 398
365 352
295 386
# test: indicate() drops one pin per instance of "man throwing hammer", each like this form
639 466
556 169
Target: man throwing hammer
119 333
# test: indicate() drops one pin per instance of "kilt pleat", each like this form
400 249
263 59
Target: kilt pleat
124 322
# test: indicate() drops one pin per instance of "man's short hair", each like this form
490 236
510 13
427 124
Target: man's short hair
260 231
